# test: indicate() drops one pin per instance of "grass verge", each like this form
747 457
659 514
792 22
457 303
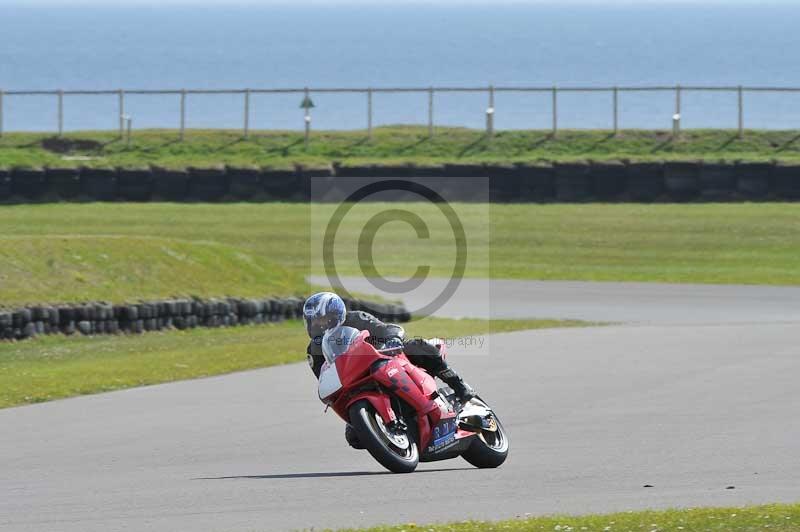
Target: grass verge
70 268
774 517
54 367
395 144
66 252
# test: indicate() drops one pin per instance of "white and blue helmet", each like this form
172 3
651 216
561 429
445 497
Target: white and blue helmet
323 312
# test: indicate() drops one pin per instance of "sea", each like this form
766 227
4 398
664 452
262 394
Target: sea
401 45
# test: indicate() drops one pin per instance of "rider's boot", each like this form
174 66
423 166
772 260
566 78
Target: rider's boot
352 438
463 390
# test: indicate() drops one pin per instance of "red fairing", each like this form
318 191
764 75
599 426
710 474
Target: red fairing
365 373
380 401
355 364
394 376
422 379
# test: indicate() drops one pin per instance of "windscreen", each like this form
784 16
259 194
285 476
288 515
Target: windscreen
337 341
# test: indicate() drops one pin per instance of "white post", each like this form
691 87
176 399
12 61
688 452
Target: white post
121 105
676 124
616 111
369 114
307 118
741 111
490 114
246 113
430 112
60 113
183 114
555 111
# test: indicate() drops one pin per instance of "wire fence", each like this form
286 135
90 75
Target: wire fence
183 95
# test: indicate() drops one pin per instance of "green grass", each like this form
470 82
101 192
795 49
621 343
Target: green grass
398 144
774 517
63 252
86 267
53 367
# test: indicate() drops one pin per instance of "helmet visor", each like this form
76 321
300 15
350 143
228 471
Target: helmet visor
317 326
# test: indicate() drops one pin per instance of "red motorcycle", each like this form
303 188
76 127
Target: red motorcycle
397 411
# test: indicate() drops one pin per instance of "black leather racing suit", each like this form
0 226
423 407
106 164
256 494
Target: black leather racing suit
419 352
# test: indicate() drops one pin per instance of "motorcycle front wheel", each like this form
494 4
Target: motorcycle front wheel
393 448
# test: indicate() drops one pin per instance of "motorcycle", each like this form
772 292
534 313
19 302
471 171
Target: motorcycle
399 414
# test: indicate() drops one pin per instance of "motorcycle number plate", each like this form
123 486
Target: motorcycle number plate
444 434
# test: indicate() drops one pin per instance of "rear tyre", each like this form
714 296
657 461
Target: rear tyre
489 449
394 449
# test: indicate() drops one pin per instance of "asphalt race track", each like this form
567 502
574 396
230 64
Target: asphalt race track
696 395
641 303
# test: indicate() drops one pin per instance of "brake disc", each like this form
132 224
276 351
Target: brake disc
398 439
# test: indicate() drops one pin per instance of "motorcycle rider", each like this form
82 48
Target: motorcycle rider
325 310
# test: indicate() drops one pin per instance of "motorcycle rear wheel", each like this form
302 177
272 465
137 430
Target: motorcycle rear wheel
488 450
394 450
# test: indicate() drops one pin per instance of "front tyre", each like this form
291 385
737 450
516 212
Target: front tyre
393 448
489 449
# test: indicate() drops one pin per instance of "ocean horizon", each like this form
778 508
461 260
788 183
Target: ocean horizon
148 47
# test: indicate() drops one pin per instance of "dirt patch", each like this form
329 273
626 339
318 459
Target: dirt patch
61 145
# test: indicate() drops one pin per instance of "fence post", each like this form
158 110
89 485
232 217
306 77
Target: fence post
1 112
246 113
183 114
676 126
555 111
369 114
616 111
307 118
121 106
490 113
60 113
741 111
430 112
